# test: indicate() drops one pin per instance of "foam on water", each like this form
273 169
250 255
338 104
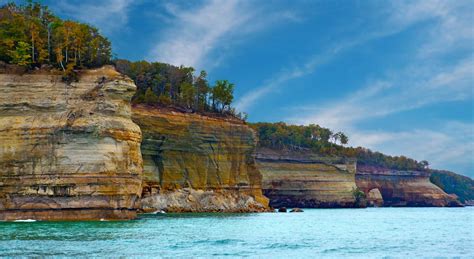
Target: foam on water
24 220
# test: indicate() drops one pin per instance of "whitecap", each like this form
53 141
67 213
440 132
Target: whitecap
25 220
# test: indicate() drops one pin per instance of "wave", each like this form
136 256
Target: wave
25 220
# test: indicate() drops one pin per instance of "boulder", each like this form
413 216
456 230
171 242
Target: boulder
296 210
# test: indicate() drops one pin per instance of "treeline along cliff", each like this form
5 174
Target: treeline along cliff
295 161
83 141
80 151
72 151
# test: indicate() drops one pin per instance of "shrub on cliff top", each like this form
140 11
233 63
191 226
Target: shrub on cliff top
32 36
323 141
178 87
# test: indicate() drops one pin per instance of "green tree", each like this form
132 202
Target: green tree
21 54
343 138
452 183
188 94
202 90
178 87
150 97
50 39
222 94
164 100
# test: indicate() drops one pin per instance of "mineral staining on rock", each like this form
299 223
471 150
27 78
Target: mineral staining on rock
68 152
401 188
72 152
302 179
197 163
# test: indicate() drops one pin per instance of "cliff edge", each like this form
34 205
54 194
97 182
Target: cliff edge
68 151
303 179
403 188
197 163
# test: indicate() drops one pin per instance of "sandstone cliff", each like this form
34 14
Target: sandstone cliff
68 152
302 179
196 163
402 188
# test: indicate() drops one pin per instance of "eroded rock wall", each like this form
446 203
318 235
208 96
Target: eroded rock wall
403 188
301 179
68 152
196 163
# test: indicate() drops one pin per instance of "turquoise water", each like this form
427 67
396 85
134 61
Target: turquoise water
375 232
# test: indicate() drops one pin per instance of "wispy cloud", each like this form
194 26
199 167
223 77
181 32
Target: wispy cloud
308 67
452 28
429 78
451 146
403 92
196 33
426 80
108 15
270 85
452 31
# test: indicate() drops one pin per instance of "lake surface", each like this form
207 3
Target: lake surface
373 232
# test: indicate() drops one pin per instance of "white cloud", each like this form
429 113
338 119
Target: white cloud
423 82
196 33
250 98
247 100
448 147
401 93
429 78
452 31
107 15
453 28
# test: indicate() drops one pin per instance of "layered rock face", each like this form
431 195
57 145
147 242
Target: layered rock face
302 179
68 152
401 188
196 163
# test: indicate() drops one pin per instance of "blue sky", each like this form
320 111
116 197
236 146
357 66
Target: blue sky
395 76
